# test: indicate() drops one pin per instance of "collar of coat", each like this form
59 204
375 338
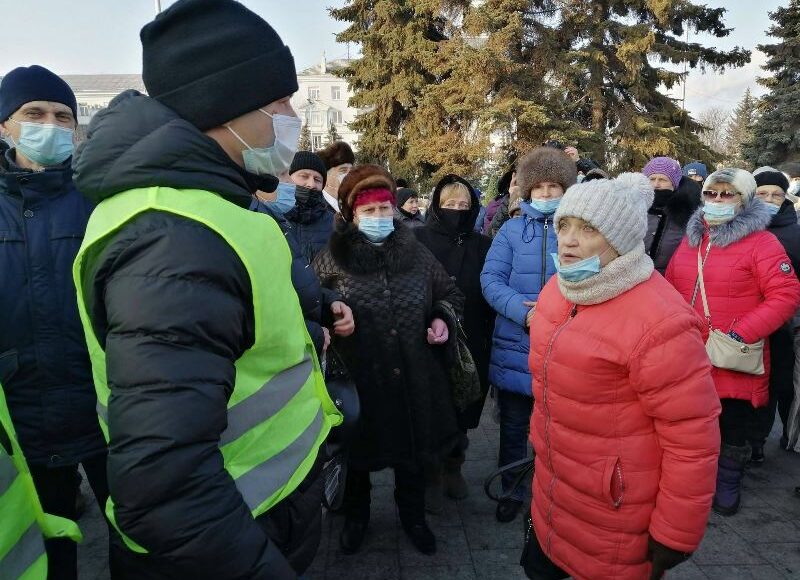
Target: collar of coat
357 255
754 217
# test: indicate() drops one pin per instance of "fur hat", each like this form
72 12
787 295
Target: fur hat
362 178
743 181
545 164
791 169
665 166
616 207
336 154
771 176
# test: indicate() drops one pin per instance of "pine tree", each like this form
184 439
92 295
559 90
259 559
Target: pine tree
305 139
398 40
739 132
333 134
776 137
608 61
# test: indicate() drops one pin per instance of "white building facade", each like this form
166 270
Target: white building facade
323 100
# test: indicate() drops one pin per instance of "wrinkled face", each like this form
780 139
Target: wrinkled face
455 197
723 193
771 194
307 178
411 205
376 209
43 112
578 240
547 190
661 181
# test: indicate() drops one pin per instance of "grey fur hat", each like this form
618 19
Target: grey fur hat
742 181
545 164
616 207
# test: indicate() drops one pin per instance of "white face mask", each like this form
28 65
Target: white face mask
276 159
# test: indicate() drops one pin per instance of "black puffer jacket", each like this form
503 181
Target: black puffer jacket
667 219
315 301
171 303
462 252
407 412
312 223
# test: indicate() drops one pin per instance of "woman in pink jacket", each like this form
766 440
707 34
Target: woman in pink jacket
751 291
626 439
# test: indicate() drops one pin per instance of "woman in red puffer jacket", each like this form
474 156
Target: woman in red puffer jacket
751 290
626 439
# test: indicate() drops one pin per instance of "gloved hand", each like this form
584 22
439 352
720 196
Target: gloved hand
663 558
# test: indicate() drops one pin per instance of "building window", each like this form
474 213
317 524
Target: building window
316 119
336 93
335 117
316 142
313 93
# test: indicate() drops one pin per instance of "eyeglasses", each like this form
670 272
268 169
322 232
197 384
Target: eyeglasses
720 194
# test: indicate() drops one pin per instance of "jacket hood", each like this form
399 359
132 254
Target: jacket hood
786 216
138 142
754 217
433 216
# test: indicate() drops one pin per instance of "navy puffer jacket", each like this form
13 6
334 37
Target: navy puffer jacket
50 391
517 268
312 224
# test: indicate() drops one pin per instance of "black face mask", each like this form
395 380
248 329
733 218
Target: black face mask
662 197
303 194
456 220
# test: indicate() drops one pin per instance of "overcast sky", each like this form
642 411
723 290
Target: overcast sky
102 36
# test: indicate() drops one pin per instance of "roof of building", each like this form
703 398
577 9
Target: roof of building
104 83
331 65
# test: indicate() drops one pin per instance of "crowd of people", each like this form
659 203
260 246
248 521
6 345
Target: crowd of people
175 289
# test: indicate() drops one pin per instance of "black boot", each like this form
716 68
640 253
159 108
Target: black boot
732 461
421 536
352 535
507 510
757 455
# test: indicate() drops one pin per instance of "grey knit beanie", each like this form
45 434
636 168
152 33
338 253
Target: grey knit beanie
616 207
741 180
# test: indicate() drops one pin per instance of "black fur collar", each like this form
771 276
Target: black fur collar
357 255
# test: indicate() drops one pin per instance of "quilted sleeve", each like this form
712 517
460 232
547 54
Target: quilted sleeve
495 280
684 406
776 279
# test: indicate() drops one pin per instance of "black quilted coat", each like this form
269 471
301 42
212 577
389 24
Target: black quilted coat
407 413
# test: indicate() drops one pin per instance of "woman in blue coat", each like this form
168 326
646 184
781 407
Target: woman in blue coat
517 268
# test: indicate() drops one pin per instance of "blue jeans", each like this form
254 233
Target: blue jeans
515 417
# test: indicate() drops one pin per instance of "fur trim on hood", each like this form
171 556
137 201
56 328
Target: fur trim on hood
754 217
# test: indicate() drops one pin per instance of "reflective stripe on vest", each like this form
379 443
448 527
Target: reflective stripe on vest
23 524
279 412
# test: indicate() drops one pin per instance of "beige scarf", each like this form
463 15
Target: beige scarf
614 279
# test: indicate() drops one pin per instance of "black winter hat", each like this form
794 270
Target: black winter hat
34 83
309 160
770 176
792 168
214 60
404 194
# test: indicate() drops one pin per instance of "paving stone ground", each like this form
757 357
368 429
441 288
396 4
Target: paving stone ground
762 542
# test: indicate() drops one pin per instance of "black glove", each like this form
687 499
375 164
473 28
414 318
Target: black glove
663 558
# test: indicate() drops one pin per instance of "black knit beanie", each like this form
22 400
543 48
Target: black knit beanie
34 83
309 160
404 194
214 60
770 176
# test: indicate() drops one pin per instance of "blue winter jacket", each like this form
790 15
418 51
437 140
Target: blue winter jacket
517 268
48 382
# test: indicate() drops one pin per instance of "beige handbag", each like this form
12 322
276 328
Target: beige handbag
724 351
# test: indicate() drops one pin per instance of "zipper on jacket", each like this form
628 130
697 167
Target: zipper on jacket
544 256
573 311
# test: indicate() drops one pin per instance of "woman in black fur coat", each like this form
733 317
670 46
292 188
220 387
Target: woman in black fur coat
396 289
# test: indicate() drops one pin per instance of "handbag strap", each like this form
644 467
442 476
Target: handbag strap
701 284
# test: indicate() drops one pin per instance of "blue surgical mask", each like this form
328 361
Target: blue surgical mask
44 144
719 212
772 208
277 158
286 197
376 229
546 206
578 271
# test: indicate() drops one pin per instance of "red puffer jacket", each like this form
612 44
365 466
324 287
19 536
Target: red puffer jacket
750 284
625 429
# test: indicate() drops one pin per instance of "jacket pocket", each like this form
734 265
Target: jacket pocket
613 482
